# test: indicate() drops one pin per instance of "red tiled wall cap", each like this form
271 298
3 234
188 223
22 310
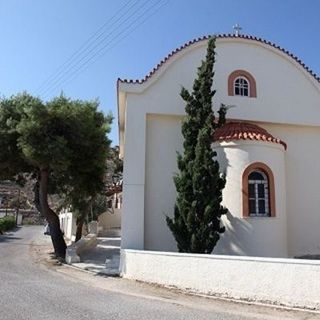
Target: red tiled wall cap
232 131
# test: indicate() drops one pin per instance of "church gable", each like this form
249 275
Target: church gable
273 128
279 82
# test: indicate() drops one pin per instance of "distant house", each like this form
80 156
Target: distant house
269 148
111 219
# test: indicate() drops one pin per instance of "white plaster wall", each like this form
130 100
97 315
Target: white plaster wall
285 282
68 224
132 222
252 236
163 141
302 183
301 171
20 218
283 86
286 94
296 171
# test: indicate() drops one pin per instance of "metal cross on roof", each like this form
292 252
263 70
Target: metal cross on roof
237 29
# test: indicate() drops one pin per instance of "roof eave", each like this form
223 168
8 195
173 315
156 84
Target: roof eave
121 102
131 82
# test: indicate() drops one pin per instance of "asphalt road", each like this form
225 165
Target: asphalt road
31 290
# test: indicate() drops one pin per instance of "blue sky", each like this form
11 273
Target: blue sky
39 36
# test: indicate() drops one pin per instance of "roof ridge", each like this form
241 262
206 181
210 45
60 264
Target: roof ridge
220 36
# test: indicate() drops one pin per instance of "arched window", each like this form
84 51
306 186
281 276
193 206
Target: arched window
258 187
241 87
242 83
258 191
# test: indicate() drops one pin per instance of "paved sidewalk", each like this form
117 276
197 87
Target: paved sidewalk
105 258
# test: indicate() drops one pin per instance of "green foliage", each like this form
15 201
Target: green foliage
90 208
64 140
69 137
7 223
196 224
114 160
12 160
99 205
92 205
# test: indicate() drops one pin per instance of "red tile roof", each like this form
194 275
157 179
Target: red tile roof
232 131
248 37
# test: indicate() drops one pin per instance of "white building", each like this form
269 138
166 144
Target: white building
269 150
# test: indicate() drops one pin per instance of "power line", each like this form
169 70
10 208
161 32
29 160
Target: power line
89 42
73 65
72 69
108 46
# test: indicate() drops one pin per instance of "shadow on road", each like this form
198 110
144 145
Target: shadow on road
8 238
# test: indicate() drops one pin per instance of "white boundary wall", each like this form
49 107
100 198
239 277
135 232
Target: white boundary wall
68 225
288 282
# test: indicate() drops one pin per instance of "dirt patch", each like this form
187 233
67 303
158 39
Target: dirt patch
42 253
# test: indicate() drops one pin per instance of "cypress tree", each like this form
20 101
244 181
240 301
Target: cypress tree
196 225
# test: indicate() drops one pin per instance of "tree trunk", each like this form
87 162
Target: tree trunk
80 221
53 220
36 190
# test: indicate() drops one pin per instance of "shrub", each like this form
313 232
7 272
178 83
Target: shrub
7 223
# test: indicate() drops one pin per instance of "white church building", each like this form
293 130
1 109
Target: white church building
269 148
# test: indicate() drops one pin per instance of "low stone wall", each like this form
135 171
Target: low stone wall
110 220
27 216
288 282
13 214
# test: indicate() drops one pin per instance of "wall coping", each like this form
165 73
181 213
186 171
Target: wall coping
291 261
